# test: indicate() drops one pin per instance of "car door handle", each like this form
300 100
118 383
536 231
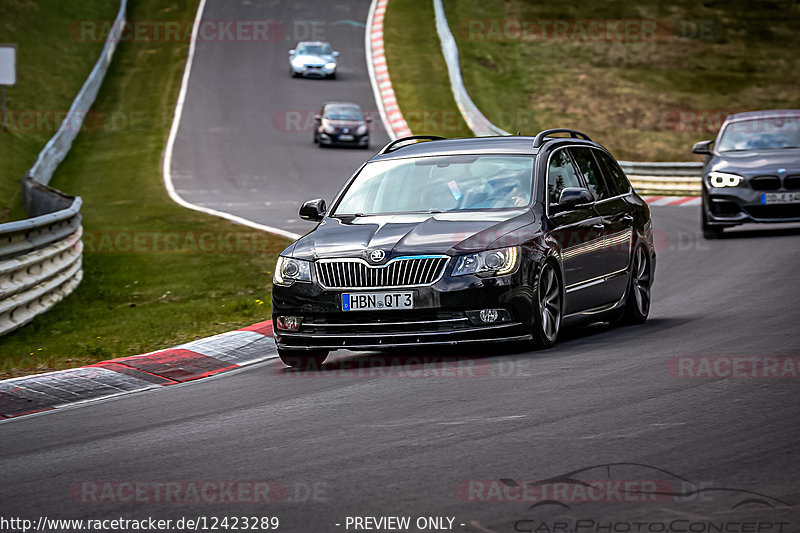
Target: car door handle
628 218
598 226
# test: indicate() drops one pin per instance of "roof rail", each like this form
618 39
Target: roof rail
575 134
391 146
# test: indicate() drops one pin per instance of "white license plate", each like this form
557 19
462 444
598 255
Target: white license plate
380 301
346 137
780 198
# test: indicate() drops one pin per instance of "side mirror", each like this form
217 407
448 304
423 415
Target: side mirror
317 118
572 197
702 148
313 210
292 52
335 54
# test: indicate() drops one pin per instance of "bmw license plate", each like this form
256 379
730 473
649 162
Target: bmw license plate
780 198
377 301
346 137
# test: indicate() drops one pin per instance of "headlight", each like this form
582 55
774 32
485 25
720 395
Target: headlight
498 262
723 179
362 129
289 270
330 66
328 129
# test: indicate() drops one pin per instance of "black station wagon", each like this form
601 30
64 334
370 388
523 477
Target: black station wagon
474 240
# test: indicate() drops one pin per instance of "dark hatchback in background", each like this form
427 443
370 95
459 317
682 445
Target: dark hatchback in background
751 171
464 241
341 124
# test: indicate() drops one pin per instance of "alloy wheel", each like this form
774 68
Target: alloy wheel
549 302
641 281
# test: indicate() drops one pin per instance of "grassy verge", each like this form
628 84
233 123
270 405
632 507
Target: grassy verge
419 74
155 274
645 99
47 82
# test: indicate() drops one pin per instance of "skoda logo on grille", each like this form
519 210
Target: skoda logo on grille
376 256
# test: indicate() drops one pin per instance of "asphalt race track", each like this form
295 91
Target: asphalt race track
400 441
403 437
245 144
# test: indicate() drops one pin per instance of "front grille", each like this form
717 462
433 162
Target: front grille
765 183
399 272
791 182
776 211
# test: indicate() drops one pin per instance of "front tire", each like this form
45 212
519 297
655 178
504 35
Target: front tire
548 307
305 360
637 303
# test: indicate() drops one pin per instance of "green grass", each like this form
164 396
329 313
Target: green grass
139 294
52 64
648 100
418 71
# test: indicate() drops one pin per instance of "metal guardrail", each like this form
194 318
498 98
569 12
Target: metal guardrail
477 122
664 179
41 257
671 178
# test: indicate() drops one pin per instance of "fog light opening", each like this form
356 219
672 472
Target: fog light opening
489 315
289 323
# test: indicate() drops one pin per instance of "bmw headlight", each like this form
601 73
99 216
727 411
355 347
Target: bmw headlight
362 129
496 262
289 270
330 66
723 179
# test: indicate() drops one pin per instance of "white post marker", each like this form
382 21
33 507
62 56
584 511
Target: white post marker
8 76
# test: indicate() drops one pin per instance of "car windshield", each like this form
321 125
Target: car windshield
761 134
342 113
314 49
439 184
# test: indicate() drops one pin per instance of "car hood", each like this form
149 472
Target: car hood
308 59
409 234
757 162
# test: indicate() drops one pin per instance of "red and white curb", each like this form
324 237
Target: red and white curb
679 201
393 120
187 362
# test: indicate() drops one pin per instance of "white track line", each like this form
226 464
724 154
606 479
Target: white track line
166 167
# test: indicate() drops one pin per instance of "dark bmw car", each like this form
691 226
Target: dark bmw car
343 124
751 171
464 241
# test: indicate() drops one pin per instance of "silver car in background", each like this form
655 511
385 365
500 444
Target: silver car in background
313 59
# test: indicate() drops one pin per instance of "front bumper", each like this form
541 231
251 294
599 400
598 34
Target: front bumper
309 71
439 316
331 139
731 206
